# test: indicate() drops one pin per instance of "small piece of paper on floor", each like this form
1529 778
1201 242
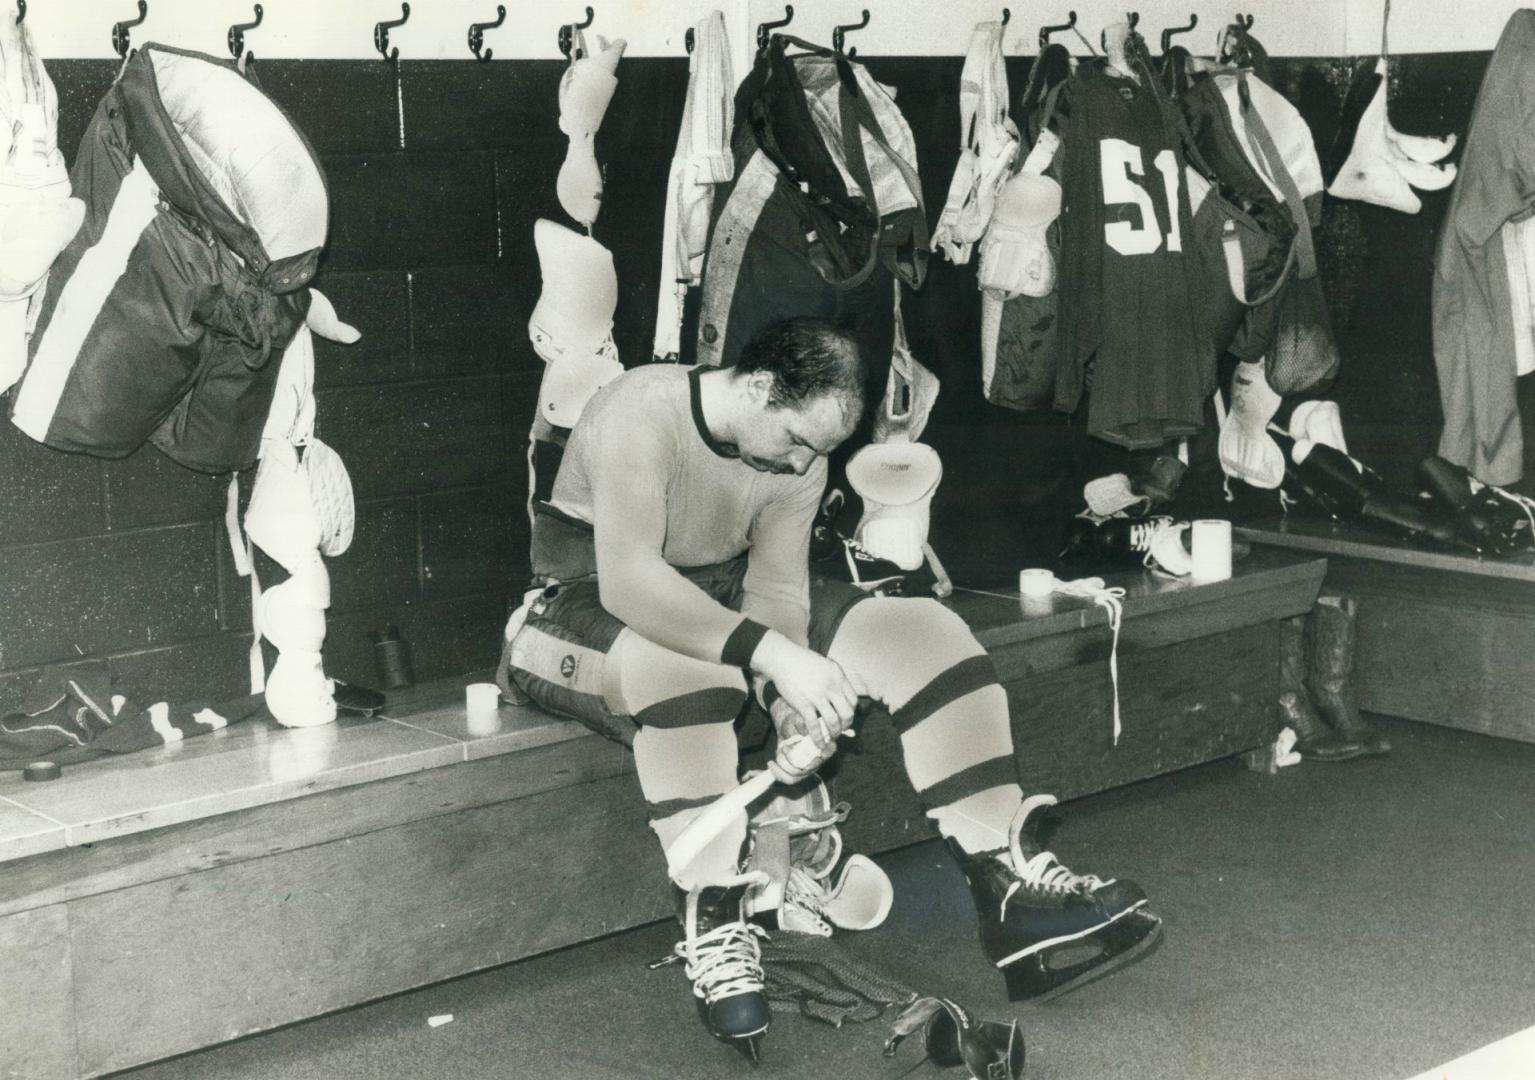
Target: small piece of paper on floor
438 1021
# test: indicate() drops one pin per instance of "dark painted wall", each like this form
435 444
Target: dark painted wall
124 563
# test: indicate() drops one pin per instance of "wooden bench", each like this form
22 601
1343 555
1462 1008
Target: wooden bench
1443 638
173 899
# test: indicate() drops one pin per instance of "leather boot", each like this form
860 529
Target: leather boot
1315 741
1331 633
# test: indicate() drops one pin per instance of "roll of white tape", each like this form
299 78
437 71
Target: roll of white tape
1035 582
1211 554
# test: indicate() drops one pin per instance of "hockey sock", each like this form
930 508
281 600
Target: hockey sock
685 751
920 660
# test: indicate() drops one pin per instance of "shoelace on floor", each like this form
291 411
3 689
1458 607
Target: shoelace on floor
725 961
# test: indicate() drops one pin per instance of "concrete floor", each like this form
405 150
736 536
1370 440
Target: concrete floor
1357 921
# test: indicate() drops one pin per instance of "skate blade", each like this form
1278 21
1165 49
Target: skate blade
750 1046
1118 945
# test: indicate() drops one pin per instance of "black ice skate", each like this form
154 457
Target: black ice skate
722 954
1047 929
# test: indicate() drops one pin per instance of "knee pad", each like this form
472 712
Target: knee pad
585 91
896 482
572 325
1247 451
297 692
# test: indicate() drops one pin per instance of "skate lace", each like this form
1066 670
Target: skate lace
727 960
1112 601
1523 502
1044 873
809 896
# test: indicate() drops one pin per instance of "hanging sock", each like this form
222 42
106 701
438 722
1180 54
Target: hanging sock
585 91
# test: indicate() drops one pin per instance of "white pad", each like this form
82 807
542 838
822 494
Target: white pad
896 482
1015 256
585 90
37 216
911 389
1380 169
297 692
1318 422
1247 451
572 324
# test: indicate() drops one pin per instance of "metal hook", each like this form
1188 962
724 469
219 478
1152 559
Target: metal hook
477 35
567 33
21 11
765 30
1007 13
1132 17
1046 31
687 40
838 33
1167 35
381 34
237 34
120 37
1245 21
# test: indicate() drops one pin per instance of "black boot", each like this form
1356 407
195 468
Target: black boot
1050 930
1331 634
1331 480
1487 522
1314 740
722 955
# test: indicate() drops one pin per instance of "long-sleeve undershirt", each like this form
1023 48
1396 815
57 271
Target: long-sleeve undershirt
660 495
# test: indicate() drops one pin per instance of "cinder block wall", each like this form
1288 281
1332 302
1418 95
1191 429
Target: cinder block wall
124 563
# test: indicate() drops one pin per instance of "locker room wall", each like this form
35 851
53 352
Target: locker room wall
436 177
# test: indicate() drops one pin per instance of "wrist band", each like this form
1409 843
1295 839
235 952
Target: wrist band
741 643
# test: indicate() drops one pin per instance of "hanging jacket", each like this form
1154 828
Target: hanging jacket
824 212
166 315
1474 346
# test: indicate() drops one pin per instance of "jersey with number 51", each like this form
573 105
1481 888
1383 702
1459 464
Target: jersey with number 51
1129 303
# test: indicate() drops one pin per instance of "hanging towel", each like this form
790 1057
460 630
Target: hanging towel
701 160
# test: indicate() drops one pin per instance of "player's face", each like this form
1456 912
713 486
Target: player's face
787 439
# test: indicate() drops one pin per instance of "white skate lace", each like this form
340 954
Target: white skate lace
1523 502
807 896
1112 600
725 961
1042 872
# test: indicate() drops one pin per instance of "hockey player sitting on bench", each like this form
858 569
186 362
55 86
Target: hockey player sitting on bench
673 559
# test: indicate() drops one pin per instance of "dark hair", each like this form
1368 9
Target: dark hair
808 358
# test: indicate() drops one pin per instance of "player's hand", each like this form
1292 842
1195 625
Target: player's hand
803 745
812 685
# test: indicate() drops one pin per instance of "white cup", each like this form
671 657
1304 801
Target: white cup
481 703
1211 554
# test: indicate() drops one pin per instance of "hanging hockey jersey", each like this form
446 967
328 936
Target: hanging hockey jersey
1130 320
